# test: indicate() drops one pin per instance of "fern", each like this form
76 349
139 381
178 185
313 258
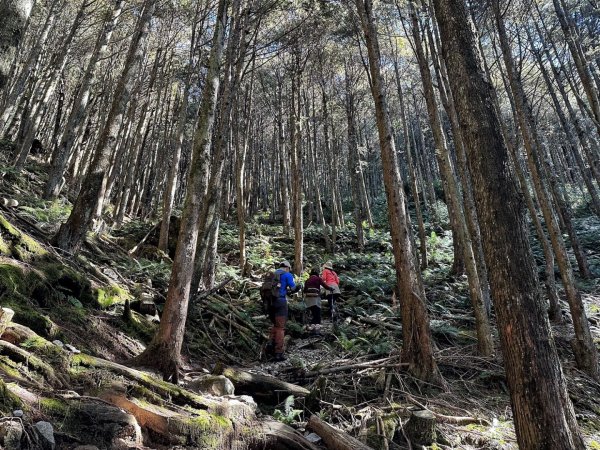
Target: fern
289 414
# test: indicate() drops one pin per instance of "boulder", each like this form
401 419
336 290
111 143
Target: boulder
11 433
218 385
96 422
45 432
6 315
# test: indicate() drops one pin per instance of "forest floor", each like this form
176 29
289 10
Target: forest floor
352 370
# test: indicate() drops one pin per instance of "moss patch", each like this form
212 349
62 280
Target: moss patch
54 407
8 401
207 430
111 295
17 243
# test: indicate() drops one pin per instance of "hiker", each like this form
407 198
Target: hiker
331 279
312 298
283 283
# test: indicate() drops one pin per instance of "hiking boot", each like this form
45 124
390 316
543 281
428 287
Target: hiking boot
280 357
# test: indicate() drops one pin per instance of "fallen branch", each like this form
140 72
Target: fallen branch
163 388
456 420
364 365
334 438
20 355
135 249
203 294
379 323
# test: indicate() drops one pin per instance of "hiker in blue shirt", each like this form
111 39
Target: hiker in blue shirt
279 308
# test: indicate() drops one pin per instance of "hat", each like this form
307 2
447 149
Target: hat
328 265
285 264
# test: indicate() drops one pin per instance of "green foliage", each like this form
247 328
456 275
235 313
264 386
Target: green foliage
111 295
51 212
289 414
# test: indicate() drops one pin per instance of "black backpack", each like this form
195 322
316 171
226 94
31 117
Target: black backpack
269 290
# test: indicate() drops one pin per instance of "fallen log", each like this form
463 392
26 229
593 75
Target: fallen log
225 407
263 387
279 436
334 438
17 334
34 363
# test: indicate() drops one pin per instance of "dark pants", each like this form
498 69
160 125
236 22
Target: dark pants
315 312
332 299
278 314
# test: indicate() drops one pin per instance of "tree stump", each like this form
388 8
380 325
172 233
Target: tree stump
420 428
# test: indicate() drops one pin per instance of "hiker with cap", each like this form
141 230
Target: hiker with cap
283 283
331 279
312 297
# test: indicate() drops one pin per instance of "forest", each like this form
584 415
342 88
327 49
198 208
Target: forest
299 224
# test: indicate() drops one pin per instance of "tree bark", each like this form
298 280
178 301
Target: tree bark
543 413
72 232
485 344
164 352
586 355
14 15
417 343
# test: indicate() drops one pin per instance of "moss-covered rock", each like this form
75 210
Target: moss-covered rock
68 281
18 244
111 295
92 421
8 401
27 315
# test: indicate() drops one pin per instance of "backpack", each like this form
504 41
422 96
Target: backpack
269 290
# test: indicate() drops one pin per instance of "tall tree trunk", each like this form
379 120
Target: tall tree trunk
579 59
295 157
411 168
571 139
72 232
164 352
583 345
13 97
80 105
283 163
543 413
14 15
485 344
353 161
47 87
417 343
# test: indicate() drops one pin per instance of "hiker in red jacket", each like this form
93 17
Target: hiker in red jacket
312 297
331 279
